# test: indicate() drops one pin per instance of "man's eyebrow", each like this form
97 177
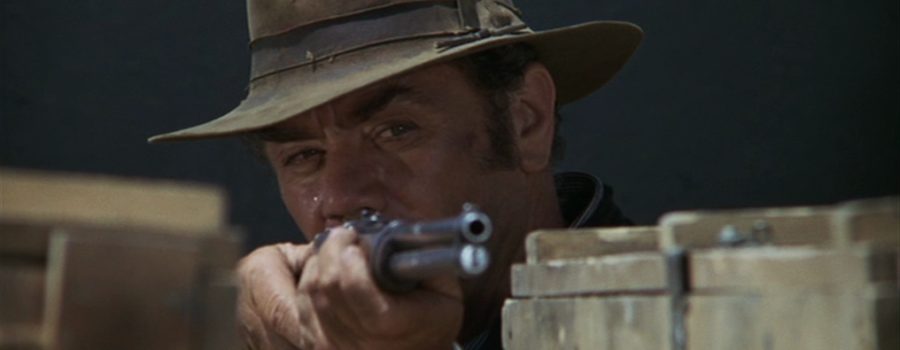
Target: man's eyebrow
382 99
394 91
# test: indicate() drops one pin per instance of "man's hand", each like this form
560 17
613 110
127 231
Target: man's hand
268 307
293 297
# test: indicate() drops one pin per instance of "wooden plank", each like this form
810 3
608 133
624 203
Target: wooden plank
29 240
21 337
220 251
548 245
164 290
788 226
215 327
725 270
118 293
775 269
610 323
846 320
637 272
54 198
21 293
871 220
20 240
857 320
21 304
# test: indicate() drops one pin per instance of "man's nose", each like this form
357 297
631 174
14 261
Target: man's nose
350 182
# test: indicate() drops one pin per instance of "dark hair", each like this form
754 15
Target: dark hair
499 72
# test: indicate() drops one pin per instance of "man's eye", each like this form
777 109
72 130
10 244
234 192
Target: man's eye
397 130
304 157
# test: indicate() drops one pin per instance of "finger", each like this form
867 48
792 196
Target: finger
257 337
318 314
272 270
295 255
375 311
331 265
338 238
268 279
318 309
309 279
310 329
340 264
251 329
359 286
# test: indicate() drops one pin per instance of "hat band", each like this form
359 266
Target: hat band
310 44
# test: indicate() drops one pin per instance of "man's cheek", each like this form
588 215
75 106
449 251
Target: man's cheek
302 208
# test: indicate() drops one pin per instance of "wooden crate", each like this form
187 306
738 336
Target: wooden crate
823 278
105 263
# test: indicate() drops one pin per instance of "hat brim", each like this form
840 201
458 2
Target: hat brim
581 59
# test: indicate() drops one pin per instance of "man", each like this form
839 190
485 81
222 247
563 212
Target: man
410 108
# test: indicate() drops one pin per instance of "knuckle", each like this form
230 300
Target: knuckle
260 253
354 252
343 234
329 283
253 260
258 265
330 279
320 302
309 283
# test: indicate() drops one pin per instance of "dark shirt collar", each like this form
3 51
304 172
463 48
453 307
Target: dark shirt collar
579 195
584 201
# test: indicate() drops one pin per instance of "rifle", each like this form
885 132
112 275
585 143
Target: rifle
402 254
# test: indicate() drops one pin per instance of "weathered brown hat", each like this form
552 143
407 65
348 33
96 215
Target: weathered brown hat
308 52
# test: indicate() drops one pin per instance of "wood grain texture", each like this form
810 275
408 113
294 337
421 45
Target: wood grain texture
789 226
638 272
118 294
546 245
626 322
871 220
72 199
140 290
21 304
777 269
847 320
828 279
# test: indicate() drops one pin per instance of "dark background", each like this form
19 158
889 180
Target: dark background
726 104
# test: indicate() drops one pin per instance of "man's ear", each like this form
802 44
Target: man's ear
533 113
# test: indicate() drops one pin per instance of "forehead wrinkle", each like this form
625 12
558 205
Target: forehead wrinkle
299 128
392 93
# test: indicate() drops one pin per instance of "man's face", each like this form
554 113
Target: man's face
414 148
